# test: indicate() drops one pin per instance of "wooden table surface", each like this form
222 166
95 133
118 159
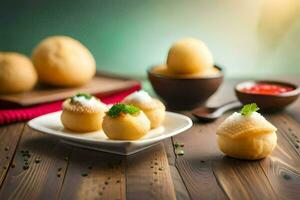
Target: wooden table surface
60 171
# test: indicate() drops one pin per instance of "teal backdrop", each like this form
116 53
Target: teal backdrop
248 37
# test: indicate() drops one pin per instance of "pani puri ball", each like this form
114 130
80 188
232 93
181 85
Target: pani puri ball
83 113
189 56
63 61
17 73
247 137
154 109
125 122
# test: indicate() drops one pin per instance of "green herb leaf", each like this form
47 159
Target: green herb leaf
119 108
248 109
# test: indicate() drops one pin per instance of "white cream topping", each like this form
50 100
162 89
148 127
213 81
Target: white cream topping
90 103
239 116
139 97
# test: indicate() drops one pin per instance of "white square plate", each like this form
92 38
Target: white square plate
51 125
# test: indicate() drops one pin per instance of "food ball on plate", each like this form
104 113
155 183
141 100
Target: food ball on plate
153 108
125 122
247 135
83 113
63 61
17 74
189 56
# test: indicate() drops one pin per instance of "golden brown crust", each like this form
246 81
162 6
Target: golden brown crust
17 73
126 126
189 56
82 122
63 61
154 110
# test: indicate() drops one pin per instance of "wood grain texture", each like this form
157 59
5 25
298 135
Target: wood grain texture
9 138
179 186
94 175
148 175
283 166
40 180
195 167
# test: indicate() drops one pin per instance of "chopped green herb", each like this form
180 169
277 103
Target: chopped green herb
37 160
119 108
25 167
179 152
248 109
84 174
177 145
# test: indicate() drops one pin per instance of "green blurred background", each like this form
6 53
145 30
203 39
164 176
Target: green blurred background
248 38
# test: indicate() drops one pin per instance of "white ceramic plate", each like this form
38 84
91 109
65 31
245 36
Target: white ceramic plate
51 125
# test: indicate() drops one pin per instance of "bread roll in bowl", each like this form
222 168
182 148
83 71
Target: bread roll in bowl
17 73
125 125
246 137
189 56
63 61
83 117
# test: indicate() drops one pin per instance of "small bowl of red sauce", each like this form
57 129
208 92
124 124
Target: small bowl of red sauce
268 95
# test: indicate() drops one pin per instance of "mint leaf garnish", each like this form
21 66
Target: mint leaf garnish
248 109
119 108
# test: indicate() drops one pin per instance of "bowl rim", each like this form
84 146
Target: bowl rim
218 75
294 92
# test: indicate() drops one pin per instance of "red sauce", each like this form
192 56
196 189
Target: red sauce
266 88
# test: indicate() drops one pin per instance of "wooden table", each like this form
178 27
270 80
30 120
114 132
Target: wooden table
60 171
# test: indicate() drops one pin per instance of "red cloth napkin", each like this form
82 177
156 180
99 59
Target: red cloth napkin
26 113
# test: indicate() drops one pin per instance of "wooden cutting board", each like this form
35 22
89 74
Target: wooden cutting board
101 84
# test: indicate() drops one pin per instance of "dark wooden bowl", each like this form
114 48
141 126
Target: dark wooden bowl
268 102
184 93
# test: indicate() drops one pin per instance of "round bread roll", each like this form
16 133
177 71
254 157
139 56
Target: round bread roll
154 109
189 56
125 126
63 61
83 115
246 137
17 73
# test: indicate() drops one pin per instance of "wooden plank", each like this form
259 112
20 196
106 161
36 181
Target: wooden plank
9 138
180 188
148 175
195 167
283 166
94 175
40 180
243 179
